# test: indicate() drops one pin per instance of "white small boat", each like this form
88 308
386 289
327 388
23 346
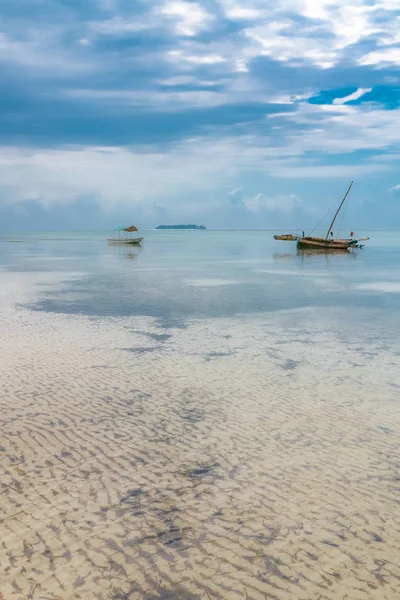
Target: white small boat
135 241
124 235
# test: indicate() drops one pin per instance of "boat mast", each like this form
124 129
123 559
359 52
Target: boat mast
338 210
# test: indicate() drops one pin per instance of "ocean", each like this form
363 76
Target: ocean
214 414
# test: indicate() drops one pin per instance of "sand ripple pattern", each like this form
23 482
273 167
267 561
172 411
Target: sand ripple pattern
236 459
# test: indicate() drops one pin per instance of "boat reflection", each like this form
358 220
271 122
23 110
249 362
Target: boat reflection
302 252
125 252
131 255
284 256
314 253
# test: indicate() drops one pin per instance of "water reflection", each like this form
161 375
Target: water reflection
125 252
182 277
302 252
131 255
316 253
278 256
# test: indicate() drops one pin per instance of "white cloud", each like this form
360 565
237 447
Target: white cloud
334 27
112 175
189 80
41 54
381 57
337 129
187 19
205 59
202 164
289 99
389 287
118 26
296 32
318 171
354 96
328 29
388 157
272 204
241 13
160 209
190 17
260 203
236 196
168 101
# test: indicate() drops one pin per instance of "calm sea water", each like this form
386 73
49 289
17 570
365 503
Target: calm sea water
178 276
213 415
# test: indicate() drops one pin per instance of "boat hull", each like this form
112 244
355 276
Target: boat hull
321 243
287 237
132 242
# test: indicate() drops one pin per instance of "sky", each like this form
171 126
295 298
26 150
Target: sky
235 114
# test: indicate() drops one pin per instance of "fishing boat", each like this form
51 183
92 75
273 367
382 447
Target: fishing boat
286 237
124 235
329 242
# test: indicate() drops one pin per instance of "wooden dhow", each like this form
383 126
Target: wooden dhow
286 237
329 242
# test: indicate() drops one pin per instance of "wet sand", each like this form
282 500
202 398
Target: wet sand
253 457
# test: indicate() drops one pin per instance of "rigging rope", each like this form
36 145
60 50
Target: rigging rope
323 218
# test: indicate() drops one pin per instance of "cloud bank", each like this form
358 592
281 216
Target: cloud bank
167 105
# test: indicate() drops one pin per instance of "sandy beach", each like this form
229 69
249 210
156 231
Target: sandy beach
230 459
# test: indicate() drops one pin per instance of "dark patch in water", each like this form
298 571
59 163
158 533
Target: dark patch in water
201 471
160 337
211 355
385 429
328 543
119 594
167 511
136 400
132 496
170 323
193 415
294 340
140 350
179 594
79 581
157 337
171 537
290 365
273 566
269 537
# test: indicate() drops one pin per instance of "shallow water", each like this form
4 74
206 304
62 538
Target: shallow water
211 414
178 276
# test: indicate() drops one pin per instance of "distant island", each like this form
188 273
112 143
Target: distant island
181 227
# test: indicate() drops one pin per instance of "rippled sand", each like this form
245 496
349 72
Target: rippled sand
243 458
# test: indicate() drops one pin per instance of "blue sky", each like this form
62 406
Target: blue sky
235 114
